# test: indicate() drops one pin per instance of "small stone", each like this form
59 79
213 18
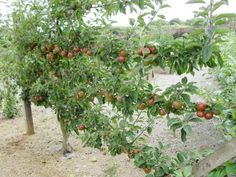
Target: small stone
94 159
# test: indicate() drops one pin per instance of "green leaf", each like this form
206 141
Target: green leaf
122 124
187 171
234 114
149 130
138 162
196 120
222 30
221 173
183 135
206 53
211 174
226 2
162 16
217 5
164 6
221 22
141 4
186 98
180 157
149 175
184 80
122 8
231 169
197 32
131 21
226 15
187 129
220 60
176 126
203 13
195 1
173 121
150 87
141 21
178 173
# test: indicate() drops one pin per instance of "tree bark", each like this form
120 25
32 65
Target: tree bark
29 118
65 143
220 156
153 74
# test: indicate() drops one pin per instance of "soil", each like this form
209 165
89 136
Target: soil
40 155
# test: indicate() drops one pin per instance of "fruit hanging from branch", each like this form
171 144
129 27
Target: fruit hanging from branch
121 59
56 49
142 106
209 115
153 50
122 53
146 170
70 54
64 53
178 105
50 57
82 127
76 49
81 94
201 106
200 114
89 52
162 111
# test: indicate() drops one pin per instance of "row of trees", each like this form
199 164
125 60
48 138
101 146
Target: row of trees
77 68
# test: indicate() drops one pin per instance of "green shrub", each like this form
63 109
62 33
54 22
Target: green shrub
9 102
226 77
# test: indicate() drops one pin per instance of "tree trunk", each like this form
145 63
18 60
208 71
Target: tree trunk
29 119
66 146
153 75
220 156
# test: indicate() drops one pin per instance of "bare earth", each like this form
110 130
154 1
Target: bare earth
40 155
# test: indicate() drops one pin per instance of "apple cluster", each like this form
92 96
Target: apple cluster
204 111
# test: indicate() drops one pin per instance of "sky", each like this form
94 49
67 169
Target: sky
179 9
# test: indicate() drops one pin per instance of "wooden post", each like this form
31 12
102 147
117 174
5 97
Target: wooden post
220 156
29 118
65 144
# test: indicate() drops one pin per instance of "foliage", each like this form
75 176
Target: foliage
227 169
225 97
226 78
8 101
175 21
154 158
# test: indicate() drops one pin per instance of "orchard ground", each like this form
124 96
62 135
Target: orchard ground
40 155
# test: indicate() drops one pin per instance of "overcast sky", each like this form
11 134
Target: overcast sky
179 9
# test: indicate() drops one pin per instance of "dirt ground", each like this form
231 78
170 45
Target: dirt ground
40 155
